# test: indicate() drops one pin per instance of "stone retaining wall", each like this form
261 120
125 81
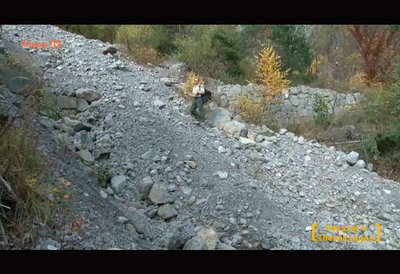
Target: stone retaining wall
296 103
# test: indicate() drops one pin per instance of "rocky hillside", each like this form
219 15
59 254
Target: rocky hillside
177 184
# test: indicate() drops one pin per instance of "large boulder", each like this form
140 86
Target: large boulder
218 117
234 128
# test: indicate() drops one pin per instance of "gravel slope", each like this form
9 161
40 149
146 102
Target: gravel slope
272 194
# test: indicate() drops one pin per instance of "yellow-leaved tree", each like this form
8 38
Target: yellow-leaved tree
269 73
252 104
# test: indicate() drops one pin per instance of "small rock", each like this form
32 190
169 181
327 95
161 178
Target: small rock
195 243
221 149
360 164
189 157
144 187
352 158
111 49
167 211
191 164
282 131
209 236
259 138
159 194
103 194
87 94
255 156
86 155
246 141
82 105
244 132
222 246
159 104
117 183
51 247
167 81
221 174
122 219
110 191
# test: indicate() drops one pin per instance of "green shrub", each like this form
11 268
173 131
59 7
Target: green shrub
320 107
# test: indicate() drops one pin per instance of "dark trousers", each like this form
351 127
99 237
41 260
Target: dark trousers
199 105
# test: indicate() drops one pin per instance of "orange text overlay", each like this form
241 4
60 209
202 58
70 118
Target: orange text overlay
35 45
343 233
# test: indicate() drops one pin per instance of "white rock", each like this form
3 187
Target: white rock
352 158
360 164
282 131
221 174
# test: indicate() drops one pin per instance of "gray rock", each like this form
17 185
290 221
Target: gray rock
259 138
49 97
255 156
209 236
167 211
360 164
122 219
195 243
221 175
222 246
189 157
86 155
167 81
158 104
218 117
66 102
224 101
235 129
266 144
178 234
159 194
117 183
101 153
243 132
352 158
144 187
111 49
146 155
77 125
87 94
83 140
82 104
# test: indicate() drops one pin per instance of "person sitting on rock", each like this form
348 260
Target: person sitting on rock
197 92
